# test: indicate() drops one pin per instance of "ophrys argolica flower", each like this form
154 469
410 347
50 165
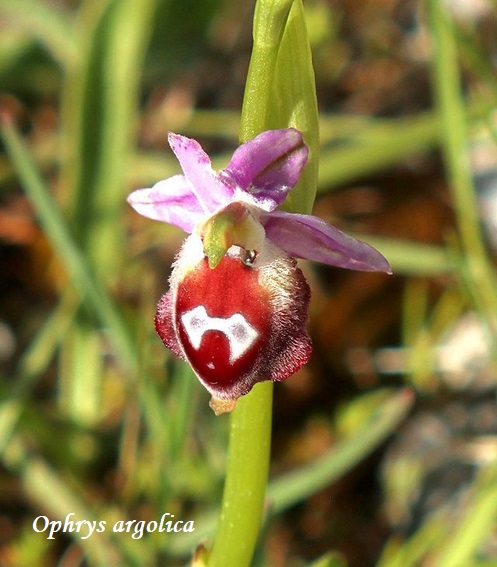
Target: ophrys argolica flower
237 304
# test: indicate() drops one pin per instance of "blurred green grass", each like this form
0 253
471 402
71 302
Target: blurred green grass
95 417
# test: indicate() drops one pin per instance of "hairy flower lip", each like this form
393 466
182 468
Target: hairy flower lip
202 315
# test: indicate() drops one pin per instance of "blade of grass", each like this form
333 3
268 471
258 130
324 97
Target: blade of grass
116 82
63 244
430 544
81 368
33 362
451 108
329 560
44 487
378 144
413 258
57 498
294 487
298 485
99 111
99 118
476 526
45 22
375 148
412 552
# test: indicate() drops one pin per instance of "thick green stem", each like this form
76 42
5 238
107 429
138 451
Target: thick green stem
280 92
246 479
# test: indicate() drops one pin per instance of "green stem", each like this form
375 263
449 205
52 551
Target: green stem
280 92
246 479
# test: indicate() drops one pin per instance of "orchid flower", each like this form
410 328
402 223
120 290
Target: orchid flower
237 304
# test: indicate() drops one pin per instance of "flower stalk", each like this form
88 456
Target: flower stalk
246 479
250 422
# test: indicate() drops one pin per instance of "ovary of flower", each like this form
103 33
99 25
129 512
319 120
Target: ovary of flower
238 331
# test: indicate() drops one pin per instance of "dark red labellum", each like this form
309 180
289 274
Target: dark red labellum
223 320
237 324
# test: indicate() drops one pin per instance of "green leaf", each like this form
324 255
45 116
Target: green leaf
280 90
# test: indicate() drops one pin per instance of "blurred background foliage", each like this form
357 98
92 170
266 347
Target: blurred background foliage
384 446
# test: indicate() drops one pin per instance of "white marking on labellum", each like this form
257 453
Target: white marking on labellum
240 334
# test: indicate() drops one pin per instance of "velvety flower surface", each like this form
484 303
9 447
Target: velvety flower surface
236 308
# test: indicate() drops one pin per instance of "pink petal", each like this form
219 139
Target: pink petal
306 236
170 200
269 166
211 192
